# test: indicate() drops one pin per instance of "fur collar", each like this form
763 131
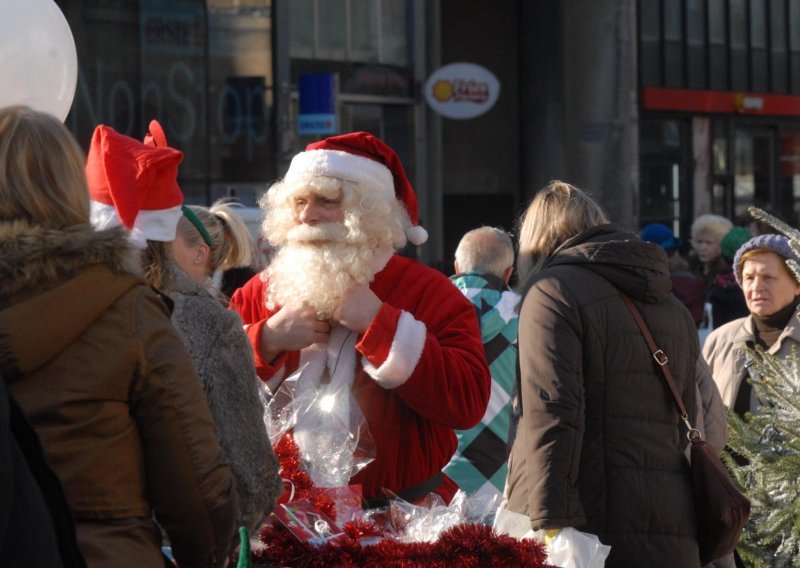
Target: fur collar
32 256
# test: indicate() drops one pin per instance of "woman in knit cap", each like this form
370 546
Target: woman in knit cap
144 196
766 269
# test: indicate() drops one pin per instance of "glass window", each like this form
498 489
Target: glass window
301 27
758 45
719 150
202 68
332 29
794 43
650 43
662 175
696 43
754 168
777 32
790 173
241 97
717 52
744 185
738 39
394 33
673 44
173 64
363 30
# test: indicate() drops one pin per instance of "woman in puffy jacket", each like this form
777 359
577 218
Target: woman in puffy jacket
600 445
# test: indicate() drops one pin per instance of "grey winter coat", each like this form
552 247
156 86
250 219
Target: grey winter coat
224 360
600 445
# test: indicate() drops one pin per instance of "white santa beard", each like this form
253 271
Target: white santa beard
317 275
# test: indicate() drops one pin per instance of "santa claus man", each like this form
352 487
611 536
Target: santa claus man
339 300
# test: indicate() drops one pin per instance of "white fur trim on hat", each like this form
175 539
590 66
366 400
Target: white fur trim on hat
341 165
103 216
150 225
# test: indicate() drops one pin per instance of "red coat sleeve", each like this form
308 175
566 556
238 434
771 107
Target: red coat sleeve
249 302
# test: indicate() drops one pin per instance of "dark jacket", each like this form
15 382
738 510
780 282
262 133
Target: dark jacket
727 299
36 526
600 444
107 384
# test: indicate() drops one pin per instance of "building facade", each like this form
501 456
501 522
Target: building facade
662 109
720 108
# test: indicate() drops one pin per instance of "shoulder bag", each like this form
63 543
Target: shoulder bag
722 510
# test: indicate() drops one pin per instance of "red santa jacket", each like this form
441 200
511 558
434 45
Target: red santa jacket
420 373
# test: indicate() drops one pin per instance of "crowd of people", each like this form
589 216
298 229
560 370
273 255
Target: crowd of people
140 340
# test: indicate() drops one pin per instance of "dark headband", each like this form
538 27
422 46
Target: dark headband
198 224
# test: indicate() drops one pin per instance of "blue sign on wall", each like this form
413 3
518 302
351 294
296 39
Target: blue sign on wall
317 103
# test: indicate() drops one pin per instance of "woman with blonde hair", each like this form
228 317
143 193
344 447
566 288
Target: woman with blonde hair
214 246
88 350
600 444
708 230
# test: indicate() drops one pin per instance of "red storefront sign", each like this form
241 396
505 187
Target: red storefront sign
719 102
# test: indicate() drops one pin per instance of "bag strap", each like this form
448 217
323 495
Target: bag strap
663 364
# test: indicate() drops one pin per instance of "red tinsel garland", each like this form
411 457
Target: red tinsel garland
468 545
288 455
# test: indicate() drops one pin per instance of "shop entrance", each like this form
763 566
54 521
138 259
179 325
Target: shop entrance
755 164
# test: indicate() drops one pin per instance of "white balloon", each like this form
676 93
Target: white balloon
38 60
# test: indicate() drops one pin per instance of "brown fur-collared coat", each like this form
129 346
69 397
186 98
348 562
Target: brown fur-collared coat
90 354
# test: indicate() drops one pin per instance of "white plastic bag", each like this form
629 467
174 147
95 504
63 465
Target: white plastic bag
570 548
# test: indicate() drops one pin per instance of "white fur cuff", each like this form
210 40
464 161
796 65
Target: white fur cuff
405 353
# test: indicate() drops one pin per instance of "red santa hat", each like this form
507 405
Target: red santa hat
362 158
134 184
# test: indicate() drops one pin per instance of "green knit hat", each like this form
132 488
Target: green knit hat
731 242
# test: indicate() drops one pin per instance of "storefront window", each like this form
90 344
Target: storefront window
738 39
717 53
650 42
673 44
202 68
794 43
364 31
394 33
758 45
364 35
302 26
662 173
777 32
332 30
790 172
241 98
696 43
754 168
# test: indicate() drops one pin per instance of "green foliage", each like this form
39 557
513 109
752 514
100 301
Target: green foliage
769 442
768 446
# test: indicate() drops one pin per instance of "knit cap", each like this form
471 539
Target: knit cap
659 234
772 243
731 242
